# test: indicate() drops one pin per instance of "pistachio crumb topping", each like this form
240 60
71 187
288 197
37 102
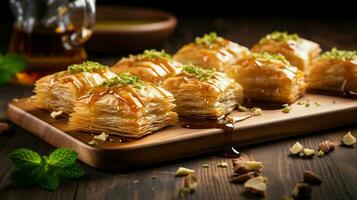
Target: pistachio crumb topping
125 78
87 66
152 53
269 56
337 54
280 37
198 72
208 39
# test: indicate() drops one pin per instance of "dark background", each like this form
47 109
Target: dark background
258 9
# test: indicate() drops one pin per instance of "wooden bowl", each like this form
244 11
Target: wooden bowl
121 29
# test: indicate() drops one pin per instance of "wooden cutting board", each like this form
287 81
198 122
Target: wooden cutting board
177 142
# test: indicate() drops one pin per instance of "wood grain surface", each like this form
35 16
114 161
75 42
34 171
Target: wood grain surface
323 112
337 170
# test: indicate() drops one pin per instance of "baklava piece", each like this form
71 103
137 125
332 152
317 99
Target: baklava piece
211 51
153 66
335 71
298 51
268 77
203 92
125 106
59 91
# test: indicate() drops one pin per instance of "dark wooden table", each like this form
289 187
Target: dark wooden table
338 170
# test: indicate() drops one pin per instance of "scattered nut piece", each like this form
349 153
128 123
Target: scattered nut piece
243 109
326 146
15 100
348 139
222 165
317 103
135 182
256 111
102 137
257 185
244 177
320 153
302 191
111 140
205 166
4 127
307 104
93 142
254 165
55 114
189 185
296 148
153 177
308 152
311 178
301 102
241 169
182 171
286 109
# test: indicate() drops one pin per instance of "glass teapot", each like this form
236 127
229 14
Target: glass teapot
50 33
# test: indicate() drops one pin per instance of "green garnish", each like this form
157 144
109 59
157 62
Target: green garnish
10 64
198 72
87 66
208 39
280 37
125 78
152 53
268 56
344 55
45 172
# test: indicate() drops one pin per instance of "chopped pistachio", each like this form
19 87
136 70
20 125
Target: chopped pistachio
307 104
280 37
208 39
317 104
348 139
286 109
222 165
152 53
189 185
15 100
256 111
337 54
103 136
301 103
296 148
125 78
87 66
254 165
93 142
55 114
182 171
320 153
257 185
198 72
308 152
268 56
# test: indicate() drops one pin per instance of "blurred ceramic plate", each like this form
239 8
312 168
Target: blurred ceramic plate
129 29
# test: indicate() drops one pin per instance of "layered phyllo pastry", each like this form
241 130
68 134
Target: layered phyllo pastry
125 106
203 92
153 66
59 91
211 51
268 77
335 71
298 51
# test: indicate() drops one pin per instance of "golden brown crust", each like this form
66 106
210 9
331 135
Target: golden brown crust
268 80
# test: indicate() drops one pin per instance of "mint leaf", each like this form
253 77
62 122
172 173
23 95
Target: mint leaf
46 178
62 157
12 63
25 157
23 177
73 171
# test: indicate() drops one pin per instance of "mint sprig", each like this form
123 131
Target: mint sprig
45 172
10 64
